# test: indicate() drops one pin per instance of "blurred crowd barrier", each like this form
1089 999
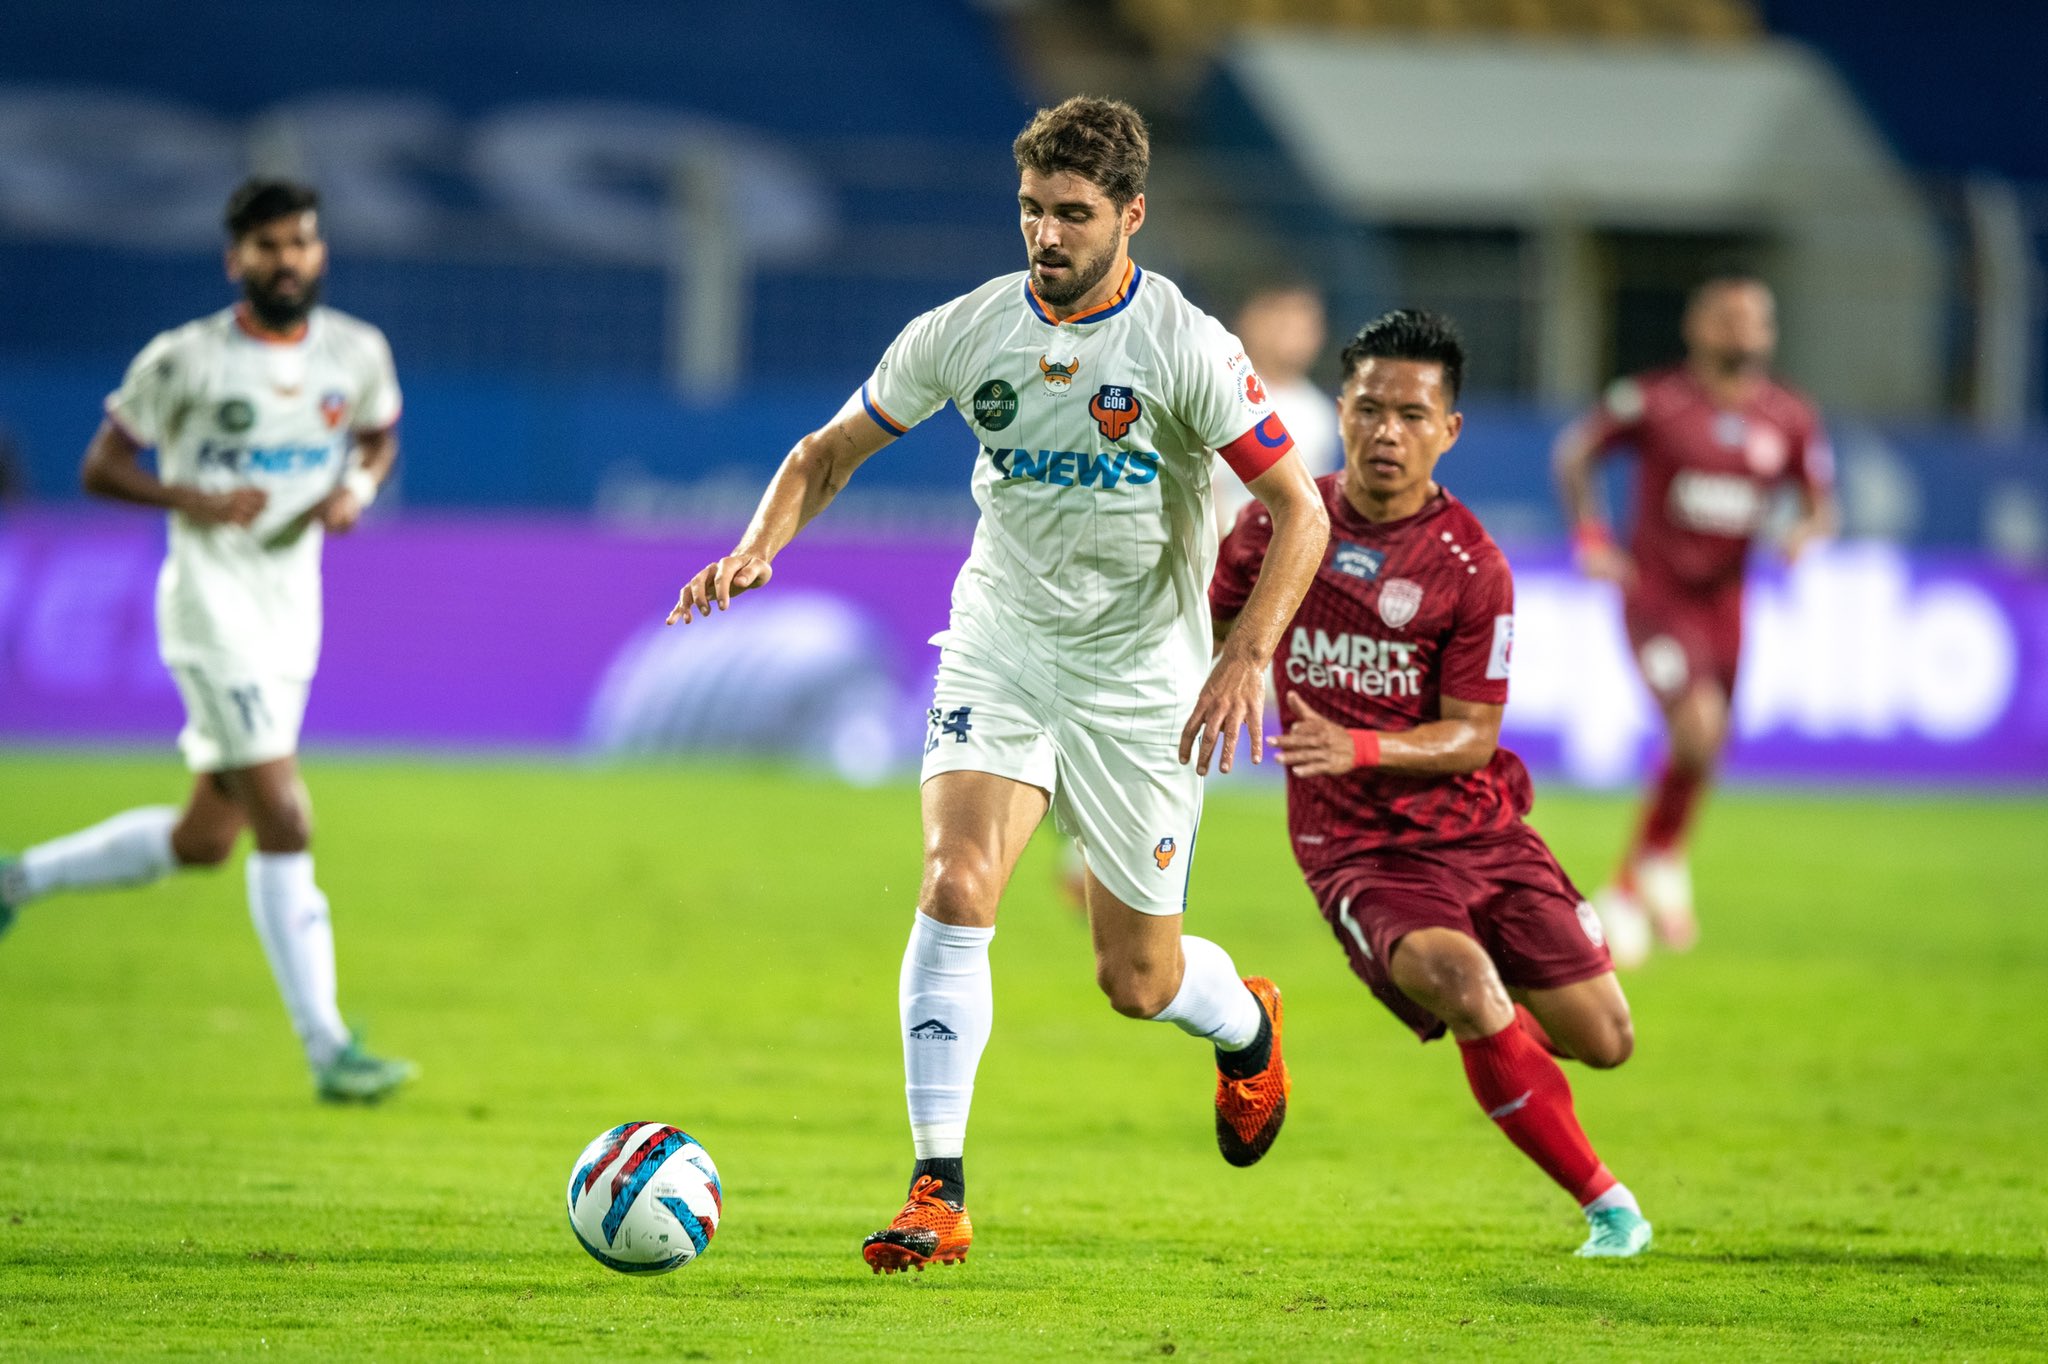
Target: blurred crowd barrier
1864 662
639 457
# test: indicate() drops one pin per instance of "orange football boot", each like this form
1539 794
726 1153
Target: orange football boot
1249 1111
929 1230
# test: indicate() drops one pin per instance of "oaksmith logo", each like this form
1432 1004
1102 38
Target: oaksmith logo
1058 378
995 405
932 1030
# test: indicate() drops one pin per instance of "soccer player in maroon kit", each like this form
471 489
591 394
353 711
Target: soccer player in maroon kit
1404 811
1715 439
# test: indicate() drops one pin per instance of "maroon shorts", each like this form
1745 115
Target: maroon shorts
1507 892
1680 636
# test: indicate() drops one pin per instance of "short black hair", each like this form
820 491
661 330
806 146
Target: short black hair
1723 271
1410 334
259 200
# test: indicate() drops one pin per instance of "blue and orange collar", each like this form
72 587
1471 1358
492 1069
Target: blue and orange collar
1108 308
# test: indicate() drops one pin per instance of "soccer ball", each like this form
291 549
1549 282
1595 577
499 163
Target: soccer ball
644 1198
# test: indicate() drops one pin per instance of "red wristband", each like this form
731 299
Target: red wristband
1365 748
1589 535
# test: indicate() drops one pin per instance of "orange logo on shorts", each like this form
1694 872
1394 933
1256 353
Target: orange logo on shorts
1163 854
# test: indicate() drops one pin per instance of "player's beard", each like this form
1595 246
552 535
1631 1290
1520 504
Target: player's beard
1081 277
280 312
1736 364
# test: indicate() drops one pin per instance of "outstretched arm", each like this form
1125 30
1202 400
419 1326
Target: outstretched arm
1235 693
1572 462
812 474
1819 518
113 469
1464 740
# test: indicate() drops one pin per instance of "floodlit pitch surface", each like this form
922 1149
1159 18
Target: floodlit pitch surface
1835 1117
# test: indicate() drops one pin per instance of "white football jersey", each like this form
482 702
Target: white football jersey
1088 579
226 409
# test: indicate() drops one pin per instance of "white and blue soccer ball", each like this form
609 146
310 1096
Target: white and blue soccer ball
644 1198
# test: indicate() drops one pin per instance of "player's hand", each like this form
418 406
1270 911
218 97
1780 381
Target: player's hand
236 508
720 582
1314 745
1608 563
1232 699
338 511
1802 536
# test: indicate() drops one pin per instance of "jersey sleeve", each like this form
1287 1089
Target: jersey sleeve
151 395
1482 639
1618 418
379 401
1223 401
910 382
1238 561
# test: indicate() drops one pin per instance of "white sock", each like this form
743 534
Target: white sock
131 848
290 915
1616 1196
946 999
1213 1002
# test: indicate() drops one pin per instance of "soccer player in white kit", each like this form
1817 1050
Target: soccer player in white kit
1076 673
274 423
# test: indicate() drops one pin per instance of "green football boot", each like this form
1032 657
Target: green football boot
1617 1233
357 1077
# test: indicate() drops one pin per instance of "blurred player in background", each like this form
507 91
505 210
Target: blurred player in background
1715 438
274 423
1283 327
1076 672
1404 811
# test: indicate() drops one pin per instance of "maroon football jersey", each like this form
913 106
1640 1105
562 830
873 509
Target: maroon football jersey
1706 474
1400 615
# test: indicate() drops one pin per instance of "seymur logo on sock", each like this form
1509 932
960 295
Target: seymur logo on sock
932 1030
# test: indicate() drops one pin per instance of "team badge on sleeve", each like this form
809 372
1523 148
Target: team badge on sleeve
1400 599
1114 408
1251 389
1058 378
1501 657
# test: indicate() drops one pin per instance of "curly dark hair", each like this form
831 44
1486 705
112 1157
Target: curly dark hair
1101 140
1411 334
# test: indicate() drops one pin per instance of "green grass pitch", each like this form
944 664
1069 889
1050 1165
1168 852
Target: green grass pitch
1837 1115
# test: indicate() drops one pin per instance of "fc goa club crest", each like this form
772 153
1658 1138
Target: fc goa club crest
333 407
1163 854
1059 378
1114 408
1400 599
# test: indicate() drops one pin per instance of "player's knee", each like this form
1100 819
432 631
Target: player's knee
1453 979
284 828
202 846
960 890
1611 1044
1136 989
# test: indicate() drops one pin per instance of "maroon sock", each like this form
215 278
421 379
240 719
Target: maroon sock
1669 811
1522 1089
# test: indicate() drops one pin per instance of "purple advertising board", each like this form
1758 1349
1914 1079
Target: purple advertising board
1864 663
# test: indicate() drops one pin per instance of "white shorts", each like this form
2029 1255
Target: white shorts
1129 804
234 721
